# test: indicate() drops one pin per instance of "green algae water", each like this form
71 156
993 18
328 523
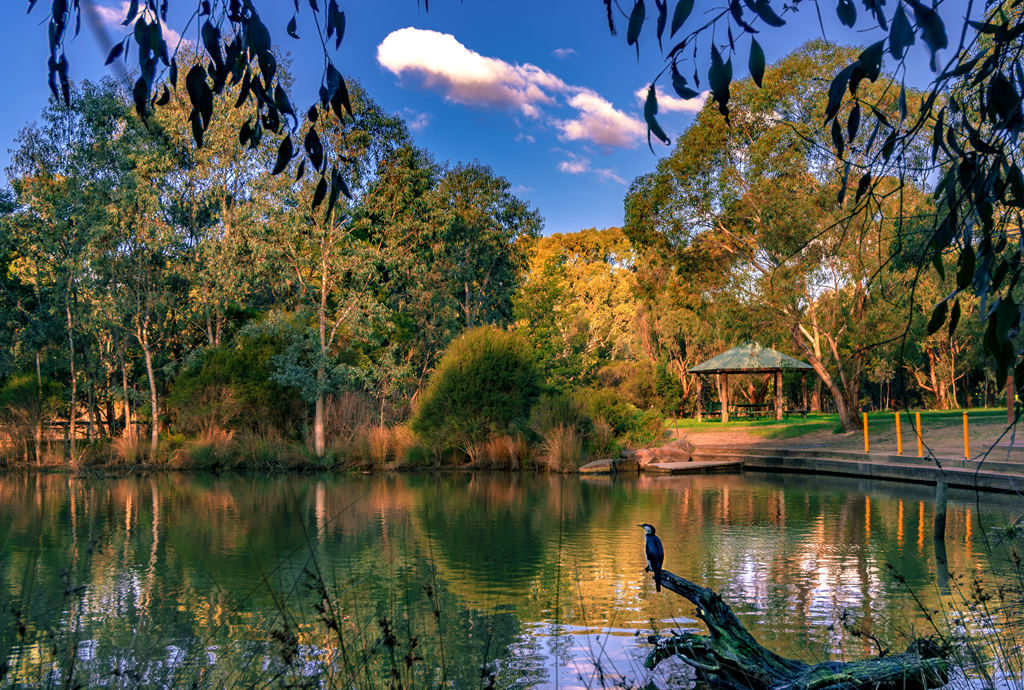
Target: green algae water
464 580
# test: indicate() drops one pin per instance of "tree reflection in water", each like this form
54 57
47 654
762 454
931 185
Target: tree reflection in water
466 578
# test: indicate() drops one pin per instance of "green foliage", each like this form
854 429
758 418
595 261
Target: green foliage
559 409
577 303
635 426
231 387
485 384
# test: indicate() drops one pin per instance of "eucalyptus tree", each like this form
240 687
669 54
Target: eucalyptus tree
485 234
760 191
576 304
330 267
53 227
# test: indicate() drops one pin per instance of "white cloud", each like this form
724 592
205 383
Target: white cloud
415 120
113 17
441 63
577 165
562 53
673 104
524 137
601 123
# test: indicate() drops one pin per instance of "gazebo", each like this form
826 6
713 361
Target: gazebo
748 358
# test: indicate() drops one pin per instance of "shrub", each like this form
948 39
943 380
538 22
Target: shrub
557 409
484 385
561 449
229 387
627 421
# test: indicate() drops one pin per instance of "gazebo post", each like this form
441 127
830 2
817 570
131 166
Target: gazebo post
723 395
700 404
803 388
778 395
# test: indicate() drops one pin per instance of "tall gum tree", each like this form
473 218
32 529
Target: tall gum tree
758 196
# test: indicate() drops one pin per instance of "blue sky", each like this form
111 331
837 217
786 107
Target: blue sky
538 90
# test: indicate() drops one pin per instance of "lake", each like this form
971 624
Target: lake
463 580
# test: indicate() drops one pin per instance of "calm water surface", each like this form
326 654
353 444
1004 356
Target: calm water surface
528 581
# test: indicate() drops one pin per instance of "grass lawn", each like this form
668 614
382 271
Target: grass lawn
794 426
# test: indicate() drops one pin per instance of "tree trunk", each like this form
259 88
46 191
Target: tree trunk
74 382
129 431
154 426
731 658
318 426
39 411
846 408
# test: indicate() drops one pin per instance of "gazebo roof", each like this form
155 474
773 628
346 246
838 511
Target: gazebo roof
749 357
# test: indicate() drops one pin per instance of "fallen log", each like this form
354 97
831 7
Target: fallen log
730 657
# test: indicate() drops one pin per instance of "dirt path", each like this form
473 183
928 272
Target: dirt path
944 441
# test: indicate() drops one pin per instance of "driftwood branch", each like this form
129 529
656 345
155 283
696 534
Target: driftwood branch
730 657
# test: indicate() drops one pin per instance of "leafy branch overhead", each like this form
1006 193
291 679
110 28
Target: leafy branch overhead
237 51
971 112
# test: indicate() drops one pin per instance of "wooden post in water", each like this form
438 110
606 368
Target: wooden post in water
941 566
940 509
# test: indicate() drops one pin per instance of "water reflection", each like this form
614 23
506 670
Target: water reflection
451 578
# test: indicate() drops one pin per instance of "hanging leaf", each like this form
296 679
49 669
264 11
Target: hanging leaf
954 318
284 154
320 192
719 78
679 84
314 149
836 90
682 11
756 62
965 274
650 112
862 186
901 35
853 122
115 53
636 22
933 31
766 14
837 138
843 185
847 12
938 317
903 102
662 6
292 27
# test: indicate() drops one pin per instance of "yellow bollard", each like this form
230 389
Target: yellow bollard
865 432
899 437
920 442
967 439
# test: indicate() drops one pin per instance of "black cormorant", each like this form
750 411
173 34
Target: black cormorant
655 554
